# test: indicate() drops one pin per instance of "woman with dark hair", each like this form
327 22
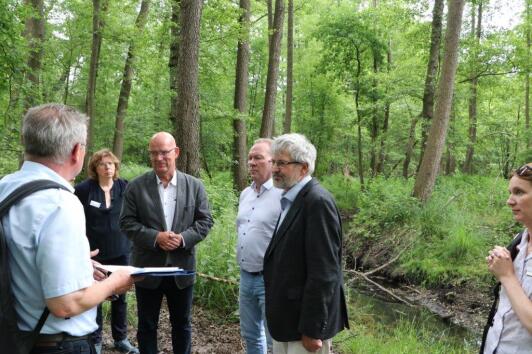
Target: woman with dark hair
509 329
101 195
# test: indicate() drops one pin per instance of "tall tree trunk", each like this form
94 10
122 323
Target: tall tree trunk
127 78
475 34
289 68
98 12
34 33
359 118
240 100
410 145
173 61
430 79
428 171
268 113
374 127
188 124
528 4
386 121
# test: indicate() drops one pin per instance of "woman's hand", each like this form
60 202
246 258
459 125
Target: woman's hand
500 262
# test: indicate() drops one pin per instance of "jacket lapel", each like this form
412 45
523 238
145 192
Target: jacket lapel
180 184
153 191
290 216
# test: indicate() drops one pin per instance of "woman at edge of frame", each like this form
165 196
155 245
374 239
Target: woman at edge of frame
511 325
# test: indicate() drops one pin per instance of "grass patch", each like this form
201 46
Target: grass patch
404 338
446 240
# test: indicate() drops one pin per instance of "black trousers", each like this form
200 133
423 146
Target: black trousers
149 307
118 310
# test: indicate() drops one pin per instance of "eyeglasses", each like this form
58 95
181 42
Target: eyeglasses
282 163
523 171
154 154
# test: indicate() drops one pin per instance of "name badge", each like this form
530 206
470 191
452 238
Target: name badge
95 204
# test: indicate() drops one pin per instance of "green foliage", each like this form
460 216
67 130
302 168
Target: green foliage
216 255
345 190
129 171
405 338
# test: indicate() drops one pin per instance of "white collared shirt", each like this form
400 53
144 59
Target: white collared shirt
255 223
168 197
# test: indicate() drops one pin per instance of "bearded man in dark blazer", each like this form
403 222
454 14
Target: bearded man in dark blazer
305 302
165 214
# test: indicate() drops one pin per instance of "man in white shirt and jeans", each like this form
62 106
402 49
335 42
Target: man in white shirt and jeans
258 211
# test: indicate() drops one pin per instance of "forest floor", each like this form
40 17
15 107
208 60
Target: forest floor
463 306
209 336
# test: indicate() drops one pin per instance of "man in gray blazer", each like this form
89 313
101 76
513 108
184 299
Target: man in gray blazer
165 214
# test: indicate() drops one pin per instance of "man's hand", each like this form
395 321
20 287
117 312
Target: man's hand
122 280
97 274
168 240
311 344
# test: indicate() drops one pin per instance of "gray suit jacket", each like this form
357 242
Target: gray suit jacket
142 218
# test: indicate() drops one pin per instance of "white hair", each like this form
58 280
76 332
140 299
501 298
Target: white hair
298 147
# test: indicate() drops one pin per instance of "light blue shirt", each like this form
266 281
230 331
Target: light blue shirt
255 223
48 250
290 195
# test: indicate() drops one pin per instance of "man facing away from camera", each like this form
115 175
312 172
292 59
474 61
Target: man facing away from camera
48 251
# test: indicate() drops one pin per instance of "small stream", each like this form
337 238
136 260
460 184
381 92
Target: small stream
373 307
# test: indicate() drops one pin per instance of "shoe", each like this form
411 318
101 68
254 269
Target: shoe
98 347
125 346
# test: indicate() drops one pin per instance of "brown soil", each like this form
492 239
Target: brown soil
208 336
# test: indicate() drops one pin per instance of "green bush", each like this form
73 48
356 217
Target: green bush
345 190
216 255
445 240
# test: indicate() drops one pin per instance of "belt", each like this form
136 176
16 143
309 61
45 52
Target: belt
256 274
51 340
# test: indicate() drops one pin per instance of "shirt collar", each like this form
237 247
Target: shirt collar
173 181
265 186
292 193
38 168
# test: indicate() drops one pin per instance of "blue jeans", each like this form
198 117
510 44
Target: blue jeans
252 314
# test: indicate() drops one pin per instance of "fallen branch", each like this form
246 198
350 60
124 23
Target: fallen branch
386 264
389 292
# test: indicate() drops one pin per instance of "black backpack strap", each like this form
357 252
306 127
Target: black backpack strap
16 196
25 190
512 247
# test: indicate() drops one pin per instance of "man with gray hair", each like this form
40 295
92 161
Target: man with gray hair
48 252
258 210
305 302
